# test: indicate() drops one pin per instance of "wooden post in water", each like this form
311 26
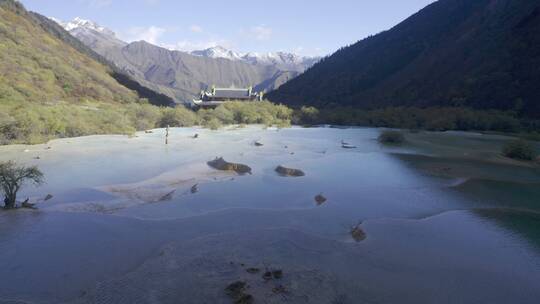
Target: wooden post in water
167 135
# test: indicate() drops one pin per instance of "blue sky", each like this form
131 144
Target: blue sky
313 27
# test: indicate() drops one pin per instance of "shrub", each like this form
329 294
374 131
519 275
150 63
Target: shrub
177 117
144 116
263 112
306 115
391 137
519 149
212 124
223 114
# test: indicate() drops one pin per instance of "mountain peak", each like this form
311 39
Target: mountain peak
79 23
218 52
283 59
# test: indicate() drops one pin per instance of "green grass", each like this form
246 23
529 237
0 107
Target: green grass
519 149
391 137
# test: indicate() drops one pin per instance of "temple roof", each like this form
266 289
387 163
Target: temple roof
232 93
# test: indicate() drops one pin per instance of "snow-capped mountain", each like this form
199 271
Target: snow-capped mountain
286 61
218 52
282 59
95 35
82 24
181 75
101 39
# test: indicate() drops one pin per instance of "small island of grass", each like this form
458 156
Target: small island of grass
391 137
519 149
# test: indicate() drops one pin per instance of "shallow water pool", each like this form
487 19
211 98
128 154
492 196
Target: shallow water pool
446 219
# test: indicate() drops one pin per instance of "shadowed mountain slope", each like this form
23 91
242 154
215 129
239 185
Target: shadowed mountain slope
475 53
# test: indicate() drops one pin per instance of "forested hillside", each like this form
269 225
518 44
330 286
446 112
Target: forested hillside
483 54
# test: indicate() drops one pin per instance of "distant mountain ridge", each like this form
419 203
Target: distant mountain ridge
283 60
183 75
483 54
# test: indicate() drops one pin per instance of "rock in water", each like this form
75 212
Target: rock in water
27 205
320 199
280 289
258 144
277 274
195 189
289 172
357 233
221 164
253 270
267 276
245 299
237 291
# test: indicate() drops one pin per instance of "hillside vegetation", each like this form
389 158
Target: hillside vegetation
50 88
39 68
481 54
38 123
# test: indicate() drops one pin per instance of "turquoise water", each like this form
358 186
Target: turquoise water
447 220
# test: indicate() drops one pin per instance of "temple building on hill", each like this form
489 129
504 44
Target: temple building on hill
219 96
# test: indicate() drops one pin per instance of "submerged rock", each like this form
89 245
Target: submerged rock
320 199
277 274
195 189
274 274
167 197
253 270
346 145
280 289
48 197
245 299
237 292
357 233
235 289
28 205
221 164
289 172
267 276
